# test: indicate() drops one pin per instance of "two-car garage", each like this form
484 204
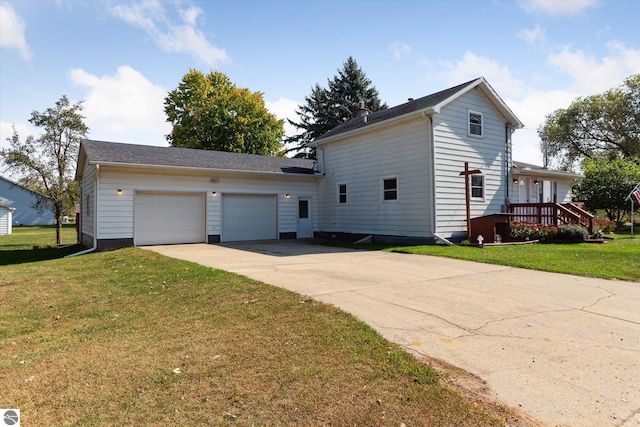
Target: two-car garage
172 218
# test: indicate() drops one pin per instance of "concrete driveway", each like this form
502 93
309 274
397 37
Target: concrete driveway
564 349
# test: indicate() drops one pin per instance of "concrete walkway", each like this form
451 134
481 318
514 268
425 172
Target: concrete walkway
564 349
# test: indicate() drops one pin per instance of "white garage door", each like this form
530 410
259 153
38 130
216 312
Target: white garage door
169 218
248 217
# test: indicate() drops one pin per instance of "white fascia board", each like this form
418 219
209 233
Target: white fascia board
202 170
489 92
425 111
546 173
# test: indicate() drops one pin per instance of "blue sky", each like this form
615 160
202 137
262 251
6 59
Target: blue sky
122 58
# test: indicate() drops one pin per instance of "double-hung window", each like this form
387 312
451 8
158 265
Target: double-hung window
390 189
342 194
475 124
477 186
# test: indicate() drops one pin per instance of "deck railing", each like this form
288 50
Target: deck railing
551 214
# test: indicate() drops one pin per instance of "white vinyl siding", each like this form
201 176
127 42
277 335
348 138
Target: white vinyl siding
401 150
5 221
116 215
453 146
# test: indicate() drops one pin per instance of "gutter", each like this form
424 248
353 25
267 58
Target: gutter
433 174
195 169
95 220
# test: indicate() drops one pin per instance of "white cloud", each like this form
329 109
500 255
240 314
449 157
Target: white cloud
125 104
472 66
558 7
184 36
12 31
285 109
537 35
399 49
593 75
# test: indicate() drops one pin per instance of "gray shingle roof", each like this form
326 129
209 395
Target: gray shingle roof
402 109
522 167
131 154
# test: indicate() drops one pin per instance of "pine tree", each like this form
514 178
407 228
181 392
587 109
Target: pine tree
327 108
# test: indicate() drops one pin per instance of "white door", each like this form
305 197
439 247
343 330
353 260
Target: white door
169 218
248 217
305 230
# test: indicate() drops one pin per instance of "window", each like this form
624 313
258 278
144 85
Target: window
303 209
477 186
88 206
390 189
475 123
342 193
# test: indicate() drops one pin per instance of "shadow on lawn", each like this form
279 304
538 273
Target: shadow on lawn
37 253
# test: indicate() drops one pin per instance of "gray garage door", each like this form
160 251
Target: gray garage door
168 218
248 217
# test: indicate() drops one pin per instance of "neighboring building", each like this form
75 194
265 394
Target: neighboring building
23 201
6 214
393 174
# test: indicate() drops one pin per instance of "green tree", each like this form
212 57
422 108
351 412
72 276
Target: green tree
326 108
604 125
210 112
606 184
47 163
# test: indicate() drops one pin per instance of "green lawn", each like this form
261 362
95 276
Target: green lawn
36 243
130 337
616 259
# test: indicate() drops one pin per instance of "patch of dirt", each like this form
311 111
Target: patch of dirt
477 391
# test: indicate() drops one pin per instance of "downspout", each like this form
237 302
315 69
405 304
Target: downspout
95 218
433 179
508 163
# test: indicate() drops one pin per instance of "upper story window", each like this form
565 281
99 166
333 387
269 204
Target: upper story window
477 186
475 123
342 193
390 189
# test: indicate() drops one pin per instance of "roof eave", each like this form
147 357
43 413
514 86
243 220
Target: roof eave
196 169
428 111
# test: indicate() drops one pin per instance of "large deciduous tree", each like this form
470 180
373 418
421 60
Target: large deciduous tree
606 184
46 164
606 125
210 112
326 108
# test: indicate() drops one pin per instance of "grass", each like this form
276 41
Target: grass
130 337
616 259
36 243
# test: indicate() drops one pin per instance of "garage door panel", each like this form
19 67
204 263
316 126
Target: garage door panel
248 217
169 218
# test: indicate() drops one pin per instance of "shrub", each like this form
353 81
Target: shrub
572 232
604 225
531 231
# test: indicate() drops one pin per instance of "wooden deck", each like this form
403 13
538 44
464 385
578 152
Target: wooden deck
551 214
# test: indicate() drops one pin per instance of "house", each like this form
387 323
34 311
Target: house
396 173
6 215
393 174
24 200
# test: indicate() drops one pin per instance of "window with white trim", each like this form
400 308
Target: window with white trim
475 123
342 194
88 206
390 189
477 186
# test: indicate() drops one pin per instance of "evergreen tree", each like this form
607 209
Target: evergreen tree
326 108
